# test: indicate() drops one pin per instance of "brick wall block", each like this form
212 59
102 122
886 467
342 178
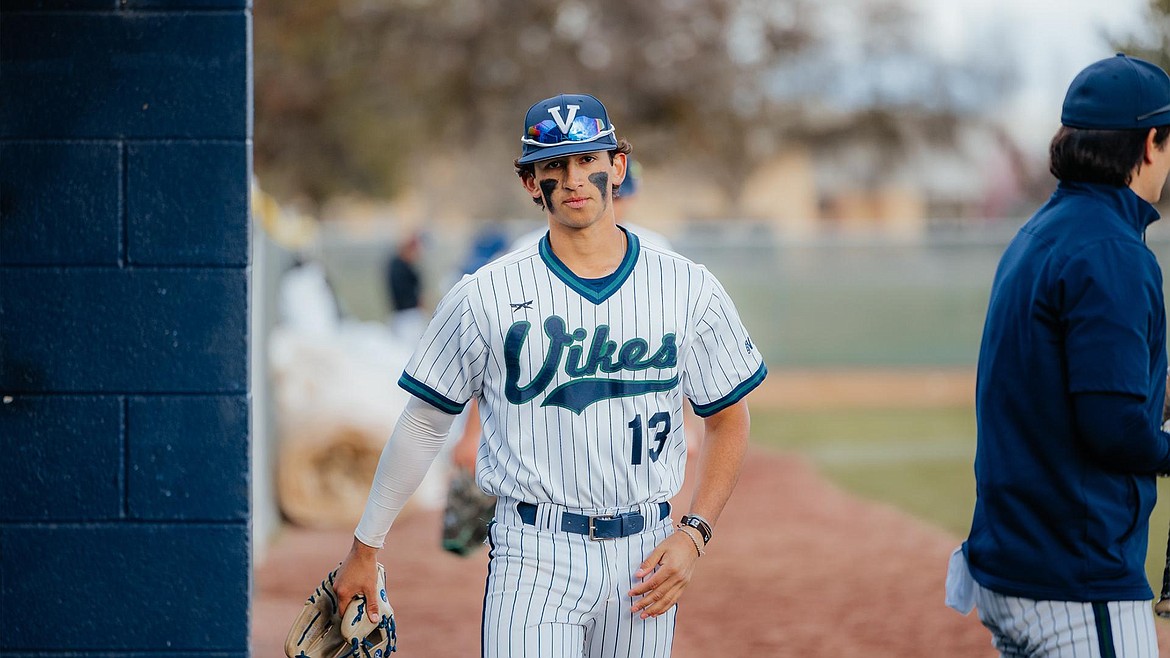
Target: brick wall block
121 654
124 74
61 458
188 4
124 588
187 203
56 5
126 331
60 203
188 458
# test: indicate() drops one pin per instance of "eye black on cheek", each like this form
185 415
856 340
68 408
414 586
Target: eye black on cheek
546 187
601 180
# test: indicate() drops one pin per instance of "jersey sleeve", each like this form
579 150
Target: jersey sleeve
1110 294
447 366
721 365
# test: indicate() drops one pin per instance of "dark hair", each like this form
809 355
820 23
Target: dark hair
528 170
1106 157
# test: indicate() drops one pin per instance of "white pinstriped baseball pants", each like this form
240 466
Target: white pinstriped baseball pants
1067 629
556 594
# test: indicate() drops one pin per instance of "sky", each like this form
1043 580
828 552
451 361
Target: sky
1052 39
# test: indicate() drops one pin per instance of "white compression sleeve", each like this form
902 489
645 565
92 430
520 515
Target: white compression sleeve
416 440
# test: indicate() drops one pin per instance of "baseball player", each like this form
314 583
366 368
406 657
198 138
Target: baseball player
579 350
463 454
1071 383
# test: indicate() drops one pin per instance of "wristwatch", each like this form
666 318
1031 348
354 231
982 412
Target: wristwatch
698 523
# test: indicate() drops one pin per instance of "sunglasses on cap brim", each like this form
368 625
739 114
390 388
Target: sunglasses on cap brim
581 129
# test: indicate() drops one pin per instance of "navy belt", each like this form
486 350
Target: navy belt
597 526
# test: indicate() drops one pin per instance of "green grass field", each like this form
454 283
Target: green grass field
919 460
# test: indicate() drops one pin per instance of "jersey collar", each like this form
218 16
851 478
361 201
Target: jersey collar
578 284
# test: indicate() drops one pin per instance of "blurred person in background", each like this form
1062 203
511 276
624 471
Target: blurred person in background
489 243
1071 386
404 289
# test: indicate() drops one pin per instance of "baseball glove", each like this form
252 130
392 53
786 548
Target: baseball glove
321 632
468 513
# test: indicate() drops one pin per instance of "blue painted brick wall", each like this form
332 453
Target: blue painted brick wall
60 458
61 203
130 587
125 152
122 655
188 458
124 74
9 5
181 330
185 202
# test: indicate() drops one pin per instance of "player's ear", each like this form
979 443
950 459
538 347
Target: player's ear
529 183
620 162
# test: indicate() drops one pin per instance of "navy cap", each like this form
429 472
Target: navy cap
564 125
1118 93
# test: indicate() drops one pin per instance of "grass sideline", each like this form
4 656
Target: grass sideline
917 459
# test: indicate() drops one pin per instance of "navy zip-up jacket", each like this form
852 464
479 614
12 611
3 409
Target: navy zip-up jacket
1076 311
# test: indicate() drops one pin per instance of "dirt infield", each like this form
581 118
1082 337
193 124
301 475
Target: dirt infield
799 568
902 388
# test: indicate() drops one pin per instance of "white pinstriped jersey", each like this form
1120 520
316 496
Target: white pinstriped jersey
581 382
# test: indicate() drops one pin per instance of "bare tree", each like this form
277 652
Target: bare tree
350 93
1152 41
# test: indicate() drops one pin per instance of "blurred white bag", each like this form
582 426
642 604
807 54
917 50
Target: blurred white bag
337 400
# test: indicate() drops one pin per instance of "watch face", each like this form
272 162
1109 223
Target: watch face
697 525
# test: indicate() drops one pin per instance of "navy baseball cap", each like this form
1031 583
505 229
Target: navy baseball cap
564 125
1118 93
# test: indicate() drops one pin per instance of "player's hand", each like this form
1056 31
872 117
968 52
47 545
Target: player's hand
358 574
665 573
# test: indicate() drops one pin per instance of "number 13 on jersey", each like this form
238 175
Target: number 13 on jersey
659 427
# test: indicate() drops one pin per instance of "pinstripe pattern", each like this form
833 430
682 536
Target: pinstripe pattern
577 603
584 460
581 395
1067 629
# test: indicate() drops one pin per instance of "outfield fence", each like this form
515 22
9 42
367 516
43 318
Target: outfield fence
837 301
